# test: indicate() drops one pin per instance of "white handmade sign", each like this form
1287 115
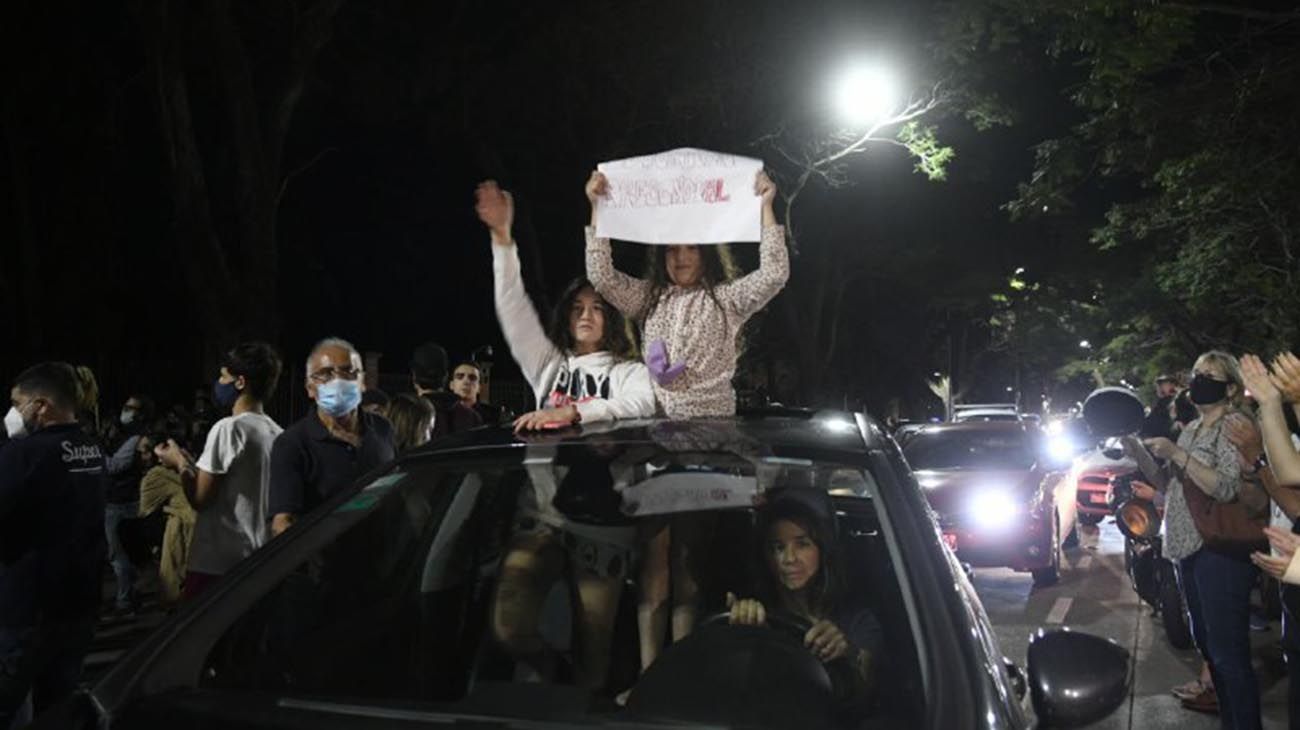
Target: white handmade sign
682 196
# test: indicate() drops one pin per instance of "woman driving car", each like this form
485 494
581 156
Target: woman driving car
798 576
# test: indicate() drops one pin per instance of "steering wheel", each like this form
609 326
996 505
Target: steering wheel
748 675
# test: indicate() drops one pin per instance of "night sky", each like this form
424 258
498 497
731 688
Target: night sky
407 106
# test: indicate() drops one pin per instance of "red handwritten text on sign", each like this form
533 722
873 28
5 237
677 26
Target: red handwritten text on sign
664 193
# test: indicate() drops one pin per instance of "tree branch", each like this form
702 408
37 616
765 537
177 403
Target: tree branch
284 184
1271 16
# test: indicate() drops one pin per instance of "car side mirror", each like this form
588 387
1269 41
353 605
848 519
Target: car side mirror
1075 678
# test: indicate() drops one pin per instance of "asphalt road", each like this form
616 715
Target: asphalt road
1094 595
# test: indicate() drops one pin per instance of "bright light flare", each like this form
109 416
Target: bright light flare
994 509
1060 448
865 95
839 425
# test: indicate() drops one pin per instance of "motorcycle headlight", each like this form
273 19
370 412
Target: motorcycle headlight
1138 519
994 509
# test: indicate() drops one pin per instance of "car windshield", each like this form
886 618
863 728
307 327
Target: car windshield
970 449
591 584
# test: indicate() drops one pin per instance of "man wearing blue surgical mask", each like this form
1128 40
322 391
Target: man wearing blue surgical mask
325 451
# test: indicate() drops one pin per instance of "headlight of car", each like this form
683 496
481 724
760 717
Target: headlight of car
994 509
1060 448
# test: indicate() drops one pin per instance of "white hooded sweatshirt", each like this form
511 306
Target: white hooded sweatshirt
598 384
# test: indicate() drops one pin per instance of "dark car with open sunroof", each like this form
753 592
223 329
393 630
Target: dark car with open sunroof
405 602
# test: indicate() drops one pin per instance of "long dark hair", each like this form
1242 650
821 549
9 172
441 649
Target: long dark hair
719 268
410 415
616 338
824 590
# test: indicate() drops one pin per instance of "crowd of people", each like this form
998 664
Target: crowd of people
1227 478
72 493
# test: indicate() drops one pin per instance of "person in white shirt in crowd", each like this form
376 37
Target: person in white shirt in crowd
583 371
229 483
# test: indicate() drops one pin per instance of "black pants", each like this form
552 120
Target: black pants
1291 649
1217 590
43 660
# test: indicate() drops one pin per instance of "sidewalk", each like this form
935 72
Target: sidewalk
117 633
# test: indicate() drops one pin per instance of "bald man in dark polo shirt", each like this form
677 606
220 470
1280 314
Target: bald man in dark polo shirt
338 442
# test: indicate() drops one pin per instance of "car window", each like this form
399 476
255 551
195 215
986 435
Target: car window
970 449
469 589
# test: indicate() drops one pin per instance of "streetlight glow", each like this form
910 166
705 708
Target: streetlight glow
865 95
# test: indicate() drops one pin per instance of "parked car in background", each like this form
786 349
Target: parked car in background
986 412
1092 473
379 609
1000 499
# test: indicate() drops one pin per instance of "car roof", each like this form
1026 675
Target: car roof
1004 407
759 431
988 426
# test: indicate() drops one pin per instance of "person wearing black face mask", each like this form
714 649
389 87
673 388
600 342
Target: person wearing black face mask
52 486
229 484
1216 585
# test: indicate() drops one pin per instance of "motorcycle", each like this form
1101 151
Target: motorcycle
1117 413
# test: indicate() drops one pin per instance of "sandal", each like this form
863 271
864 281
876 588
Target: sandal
1207 702
1189 690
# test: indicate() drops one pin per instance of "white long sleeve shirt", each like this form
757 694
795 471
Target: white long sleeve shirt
601 386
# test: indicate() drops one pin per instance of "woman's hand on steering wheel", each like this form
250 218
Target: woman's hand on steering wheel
746 611
826 641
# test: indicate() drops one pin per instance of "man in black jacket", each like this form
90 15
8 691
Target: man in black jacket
429 376
52 485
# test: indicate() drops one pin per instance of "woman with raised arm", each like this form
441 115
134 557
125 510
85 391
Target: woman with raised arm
583 370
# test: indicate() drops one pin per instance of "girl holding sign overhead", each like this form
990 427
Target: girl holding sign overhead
691 309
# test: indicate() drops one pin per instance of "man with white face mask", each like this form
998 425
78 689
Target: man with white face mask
338 442
52 484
